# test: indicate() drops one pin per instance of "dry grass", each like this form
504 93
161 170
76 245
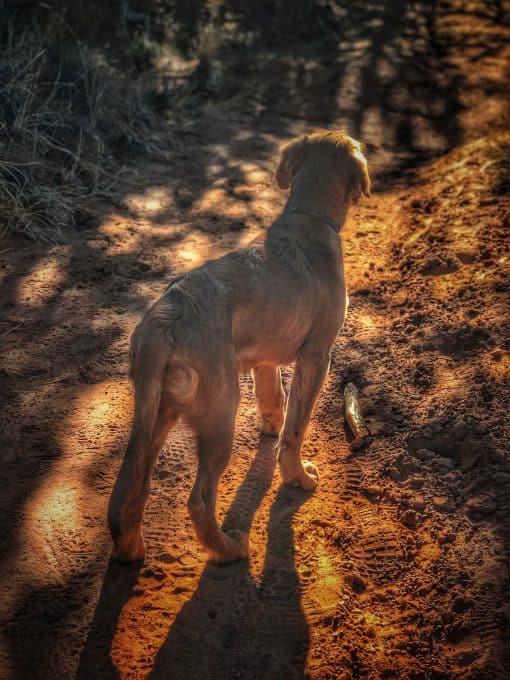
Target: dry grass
30 207
66 116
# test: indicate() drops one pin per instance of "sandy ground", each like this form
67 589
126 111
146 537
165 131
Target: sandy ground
397 565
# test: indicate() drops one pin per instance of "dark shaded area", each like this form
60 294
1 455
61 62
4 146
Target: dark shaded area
118 585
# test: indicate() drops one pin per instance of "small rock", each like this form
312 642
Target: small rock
482 504
409 519
418 504
167 557
446 537
373 490
154 573
425 454
375 426
441 503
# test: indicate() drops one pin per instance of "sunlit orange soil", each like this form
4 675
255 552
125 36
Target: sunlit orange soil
397 565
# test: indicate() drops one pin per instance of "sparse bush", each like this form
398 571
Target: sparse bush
67 113
30 207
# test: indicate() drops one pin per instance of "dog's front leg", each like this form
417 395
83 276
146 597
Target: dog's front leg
309 373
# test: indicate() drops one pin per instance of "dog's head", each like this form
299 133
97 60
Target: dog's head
332 153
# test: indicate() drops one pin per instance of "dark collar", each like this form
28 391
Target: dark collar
326 220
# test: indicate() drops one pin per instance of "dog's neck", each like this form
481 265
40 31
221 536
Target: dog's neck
327 203
323 218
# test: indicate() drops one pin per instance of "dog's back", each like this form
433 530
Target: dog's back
259 308
259 302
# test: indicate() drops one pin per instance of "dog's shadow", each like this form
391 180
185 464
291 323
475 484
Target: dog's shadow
118 585
234 626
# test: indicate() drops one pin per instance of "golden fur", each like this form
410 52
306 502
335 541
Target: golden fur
257 308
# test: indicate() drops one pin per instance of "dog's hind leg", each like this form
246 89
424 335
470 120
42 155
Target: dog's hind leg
309 373
129 495
215 434
270 398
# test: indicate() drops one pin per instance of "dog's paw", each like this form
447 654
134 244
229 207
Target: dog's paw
236 546
311 475
242 543
271 426
307 477
129 549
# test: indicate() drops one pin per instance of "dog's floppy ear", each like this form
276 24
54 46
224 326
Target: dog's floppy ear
290 161
359 179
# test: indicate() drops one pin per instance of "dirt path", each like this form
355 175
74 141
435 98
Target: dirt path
396 567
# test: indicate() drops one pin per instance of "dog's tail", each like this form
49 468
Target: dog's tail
154 367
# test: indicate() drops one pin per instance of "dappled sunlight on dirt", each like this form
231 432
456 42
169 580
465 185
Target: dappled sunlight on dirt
396 566
55 514
46 278
152 202
499 367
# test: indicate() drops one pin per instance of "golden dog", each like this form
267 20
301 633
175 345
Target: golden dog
257 308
